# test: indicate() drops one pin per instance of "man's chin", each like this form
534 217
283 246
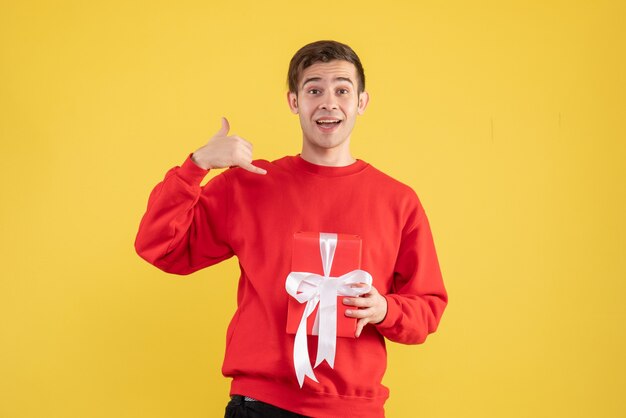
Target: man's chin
327 142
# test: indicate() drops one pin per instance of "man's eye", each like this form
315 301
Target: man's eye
314 91
343 91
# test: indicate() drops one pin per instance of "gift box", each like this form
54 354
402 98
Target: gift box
307 257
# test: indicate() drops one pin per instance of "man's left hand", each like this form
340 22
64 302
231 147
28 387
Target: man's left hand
371 308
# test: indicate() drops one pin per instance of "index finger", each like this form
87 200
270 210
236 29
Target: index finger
359 284
359 302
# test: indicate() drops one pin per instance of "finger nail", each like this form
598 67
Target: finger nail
348 312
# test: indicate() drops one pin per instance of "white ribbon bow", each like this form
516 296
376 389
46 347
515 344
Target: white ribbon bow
313 289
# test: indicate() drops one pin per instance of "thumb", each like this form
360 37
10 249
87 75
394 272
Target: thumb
224 129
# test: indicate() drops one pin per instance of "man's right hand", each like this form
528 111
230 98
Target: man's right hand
226 151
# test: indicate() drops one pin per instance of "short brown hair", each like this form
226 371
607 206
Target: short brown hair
322 51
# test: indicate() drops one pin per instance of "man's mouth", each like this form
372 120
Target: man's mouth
328 122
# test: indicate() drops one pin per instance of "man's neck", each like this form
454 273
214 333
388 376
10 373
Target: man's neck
333 157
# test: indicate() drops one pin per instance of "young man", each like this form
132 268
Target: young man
254 208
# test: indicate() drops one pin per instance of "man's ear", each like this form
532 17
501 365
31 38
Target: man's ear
364 99
292 99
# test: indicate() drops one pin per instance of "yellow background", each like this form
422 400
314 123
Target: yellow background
507 118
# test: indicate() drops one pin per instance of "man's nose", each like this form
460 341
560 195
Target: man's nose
329 102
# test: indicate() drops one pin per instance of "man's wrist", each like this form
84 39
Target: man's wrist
386 311
190 172
198 163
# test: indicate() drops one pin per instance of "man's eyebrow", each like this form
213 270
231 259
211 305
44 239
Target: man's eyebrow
345 79
308 80
311 79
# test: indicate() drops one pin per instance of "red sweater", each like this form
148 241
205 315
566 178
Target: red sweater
188 227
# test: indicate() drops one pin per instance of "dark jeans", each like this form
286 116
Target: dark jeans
240 408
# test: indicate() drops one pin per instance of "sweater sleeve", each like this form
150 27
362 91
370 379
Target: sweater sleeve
418 296
185 226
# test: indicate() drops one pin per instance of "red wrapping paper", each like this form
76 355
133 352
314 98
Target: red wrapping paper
306 257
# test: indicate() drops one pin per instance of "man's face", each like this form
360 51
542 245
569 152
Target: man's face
328 103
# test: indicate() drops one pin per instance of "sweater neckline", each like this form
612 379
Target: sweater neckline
328 171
